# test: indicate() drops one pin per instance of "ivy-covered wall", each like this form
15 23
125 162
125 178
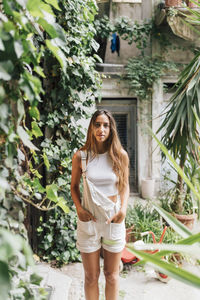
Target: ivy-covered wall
47 84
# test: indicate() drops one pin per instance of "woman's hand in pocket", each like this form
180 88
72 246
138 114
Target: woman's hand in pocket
84 215
118 217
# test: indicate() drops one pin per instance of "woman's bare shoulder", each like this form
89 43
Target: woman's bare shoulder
77 157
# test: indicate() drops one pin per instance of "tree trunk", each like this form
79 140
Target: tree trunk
177 205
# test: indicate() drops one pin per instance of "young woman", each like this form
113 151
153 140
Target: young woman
103 164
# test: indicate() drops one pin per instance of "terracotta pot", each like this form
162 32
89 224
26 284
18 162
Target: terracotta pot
130 238
187 220
175 3
190 4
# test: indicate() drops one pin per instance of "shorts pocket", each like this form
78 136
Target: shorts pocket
117 230
86 227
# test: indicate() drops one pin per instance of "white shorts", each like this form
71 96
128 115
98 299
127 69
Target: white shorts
91 235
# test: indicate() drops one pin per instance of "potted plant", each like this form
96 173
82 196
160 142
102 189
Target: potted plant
179 127
188 217
190 205
174 3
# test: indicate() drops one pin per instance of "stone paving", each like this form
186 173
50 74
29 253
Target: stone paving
135 284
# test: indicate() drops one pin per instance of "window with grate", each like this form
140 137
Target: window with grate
121 122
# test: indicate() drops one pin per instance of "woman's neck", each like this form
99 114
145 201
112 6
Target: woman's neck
101 148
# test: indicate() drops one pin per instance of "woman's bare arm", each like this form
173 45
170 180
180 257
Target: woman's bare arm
75 179
124 194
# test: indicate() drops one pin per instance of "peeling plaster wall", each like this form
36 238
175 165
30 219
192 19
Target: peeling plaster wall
179 50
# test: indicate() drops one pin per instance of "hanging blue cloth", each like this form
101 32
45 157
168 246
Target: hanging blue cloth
115 43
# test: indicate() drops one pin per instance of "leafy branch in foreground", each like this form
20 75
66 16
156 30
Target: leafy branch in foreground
15 259
190 244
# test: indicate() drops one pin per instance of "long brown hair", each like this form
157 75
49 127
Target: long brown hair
113 146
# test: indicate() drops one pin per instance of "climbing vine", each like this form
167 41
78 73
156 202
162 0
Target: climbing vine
143 71
47 84
126 29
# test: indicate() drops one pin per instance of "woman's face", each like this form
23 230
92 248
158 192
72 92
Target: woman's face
101 128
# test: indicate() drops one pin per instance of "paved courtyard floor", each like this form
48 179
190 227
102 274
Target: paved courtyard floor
136 284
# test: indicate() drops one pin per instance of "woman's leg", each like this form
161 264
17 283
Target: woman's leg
111 271
91 265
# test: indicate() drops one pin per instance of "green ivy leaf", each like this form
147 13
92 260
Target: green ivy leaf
26 88
46 161
61 181
6 68
48 27
62 204
57 53
95 45
25 138
37 8
9 26
20 109
2 93
52 192
7 8
35 129
39 70
36 173
37 185
98 58
34 112
18 48
34 82
54 3
2 48
49 238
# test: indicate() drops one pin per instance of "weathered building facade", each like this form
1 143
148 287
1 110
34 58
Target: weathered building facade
131 114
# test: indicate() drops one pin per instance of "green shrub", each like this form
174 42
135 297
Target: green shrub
144 219
58 244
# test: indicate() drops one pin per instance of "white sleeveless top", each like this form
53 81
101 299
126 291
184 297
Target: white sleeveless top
99 171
